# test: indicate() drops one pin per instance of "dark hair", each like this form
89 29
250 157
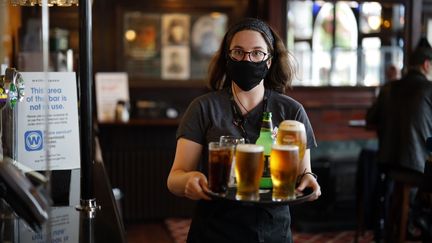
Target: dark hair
281 71
422 52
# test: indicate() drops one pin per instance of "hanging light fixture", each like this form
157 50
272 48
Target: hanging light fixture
62 3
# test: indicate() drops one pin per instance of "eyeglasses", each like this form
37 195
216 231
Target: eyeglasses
254 56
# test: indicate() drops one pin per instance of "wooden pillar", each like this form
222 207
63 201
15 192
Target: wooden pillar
277 17
413 23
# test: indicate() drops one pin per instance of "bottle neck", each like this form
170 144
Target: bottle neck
266 125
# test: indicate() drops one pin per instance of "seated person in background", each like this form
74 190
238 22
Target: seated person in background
402 115
392 73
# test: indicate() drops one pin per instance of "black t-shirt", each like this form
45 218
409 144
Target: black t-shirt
211 116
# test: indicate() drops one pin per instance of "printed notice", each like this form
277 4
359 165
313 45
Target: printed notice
64 223
48 121
110 88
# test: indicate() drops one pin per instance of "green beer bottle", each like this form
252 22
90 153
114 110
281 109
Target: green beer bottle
266 140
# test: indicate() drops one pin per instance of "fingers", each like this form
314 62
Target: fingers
309 181
196 187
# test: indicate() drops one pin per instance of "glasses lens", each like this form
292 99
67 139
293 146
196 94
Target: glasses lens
253 56
257 56
237 54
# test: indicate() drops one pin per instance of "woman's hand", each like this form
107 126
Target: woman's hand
196 186
307 180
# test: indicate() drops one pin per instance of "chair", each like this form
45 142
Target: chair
397 220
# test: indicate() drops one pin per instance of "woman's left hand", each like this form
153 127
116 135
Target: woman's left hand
308 180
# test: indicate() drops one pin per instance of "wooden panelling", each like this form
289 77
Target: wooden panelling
138 159
331 108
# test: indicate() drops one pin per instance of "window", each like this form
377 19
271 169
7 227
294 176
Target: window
352 49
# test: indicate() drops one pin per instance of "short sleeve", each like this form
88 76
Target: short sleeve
302 117
193 124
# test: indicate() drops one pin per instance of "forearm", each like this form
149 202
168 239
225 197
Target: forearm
177 181
305 164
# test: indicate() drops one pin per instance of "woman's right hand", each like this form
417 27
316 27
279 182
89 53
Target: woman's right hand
196 186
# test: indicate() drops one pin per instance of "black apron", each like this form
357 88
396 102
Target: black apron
227 221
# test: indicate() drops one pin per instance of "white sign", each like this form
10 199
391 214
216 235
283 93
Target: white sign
64 221
110 88
64 227
54 102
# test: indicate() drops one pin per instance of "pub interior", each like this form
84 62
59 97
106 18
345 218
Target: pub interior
152 56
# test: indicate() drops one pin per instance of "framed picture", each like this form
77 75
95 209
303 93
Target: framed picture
169 48
141 44
175 29
176 62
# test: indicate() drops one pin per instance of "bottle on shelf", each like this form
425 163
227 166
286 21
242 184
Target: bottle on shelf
266 139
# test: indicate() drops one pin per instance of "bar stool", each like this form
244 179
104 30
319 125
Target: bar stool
368 180
397 220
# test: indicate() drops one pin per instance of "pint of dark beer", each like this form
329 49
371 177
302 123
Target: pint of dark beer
220 159
248 168
283 169
294 133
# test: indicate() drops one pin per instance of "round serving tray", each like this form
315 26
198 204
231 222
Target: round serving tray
265 197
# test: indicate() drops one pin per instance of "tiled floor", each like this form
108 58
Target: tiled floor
149 232
175 231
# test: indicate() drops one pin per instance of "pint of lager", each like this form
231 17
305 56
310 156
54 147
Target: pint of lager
220 159
294 133
283 168
248 168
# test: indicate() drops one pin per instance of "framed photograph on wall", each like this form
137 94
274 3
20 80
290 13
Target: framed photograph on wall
175 29
141 44
206 36
169 46
176 62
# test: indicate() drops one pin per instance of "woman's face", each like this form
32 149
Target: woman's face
249 40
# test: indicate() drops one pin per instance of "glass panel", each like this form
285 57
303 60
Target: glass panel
398 17
370 17
429 30
302 53
346 26
334 41
301 10
372 55
323 28
331 65
344 68
40 132
381 63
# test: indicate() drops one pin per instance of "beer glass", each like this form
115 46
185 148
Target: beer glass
220 159
283 169
294 133
248 169
228 139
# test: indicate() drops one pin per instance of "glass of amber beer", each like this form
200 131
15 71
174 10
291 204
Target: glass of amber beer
294 133
249 167
283 169
220 159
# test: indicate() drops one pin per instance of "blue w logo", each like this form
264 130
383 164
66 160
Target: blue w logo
33 140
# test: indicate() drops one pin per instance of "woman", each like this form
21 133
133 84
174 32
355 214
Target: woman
249 75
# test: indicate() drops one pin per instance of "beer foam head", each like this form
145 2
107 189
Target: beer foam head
250 148
285 147
291 125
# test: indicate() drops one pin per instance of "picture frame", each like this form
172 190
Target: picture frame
150 40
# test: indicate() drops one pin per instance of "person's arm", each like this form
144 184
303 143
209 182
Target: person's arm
183 179
308 180
373 112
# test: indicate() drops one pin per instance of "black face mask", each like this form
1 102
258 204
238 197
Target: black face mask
247 75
